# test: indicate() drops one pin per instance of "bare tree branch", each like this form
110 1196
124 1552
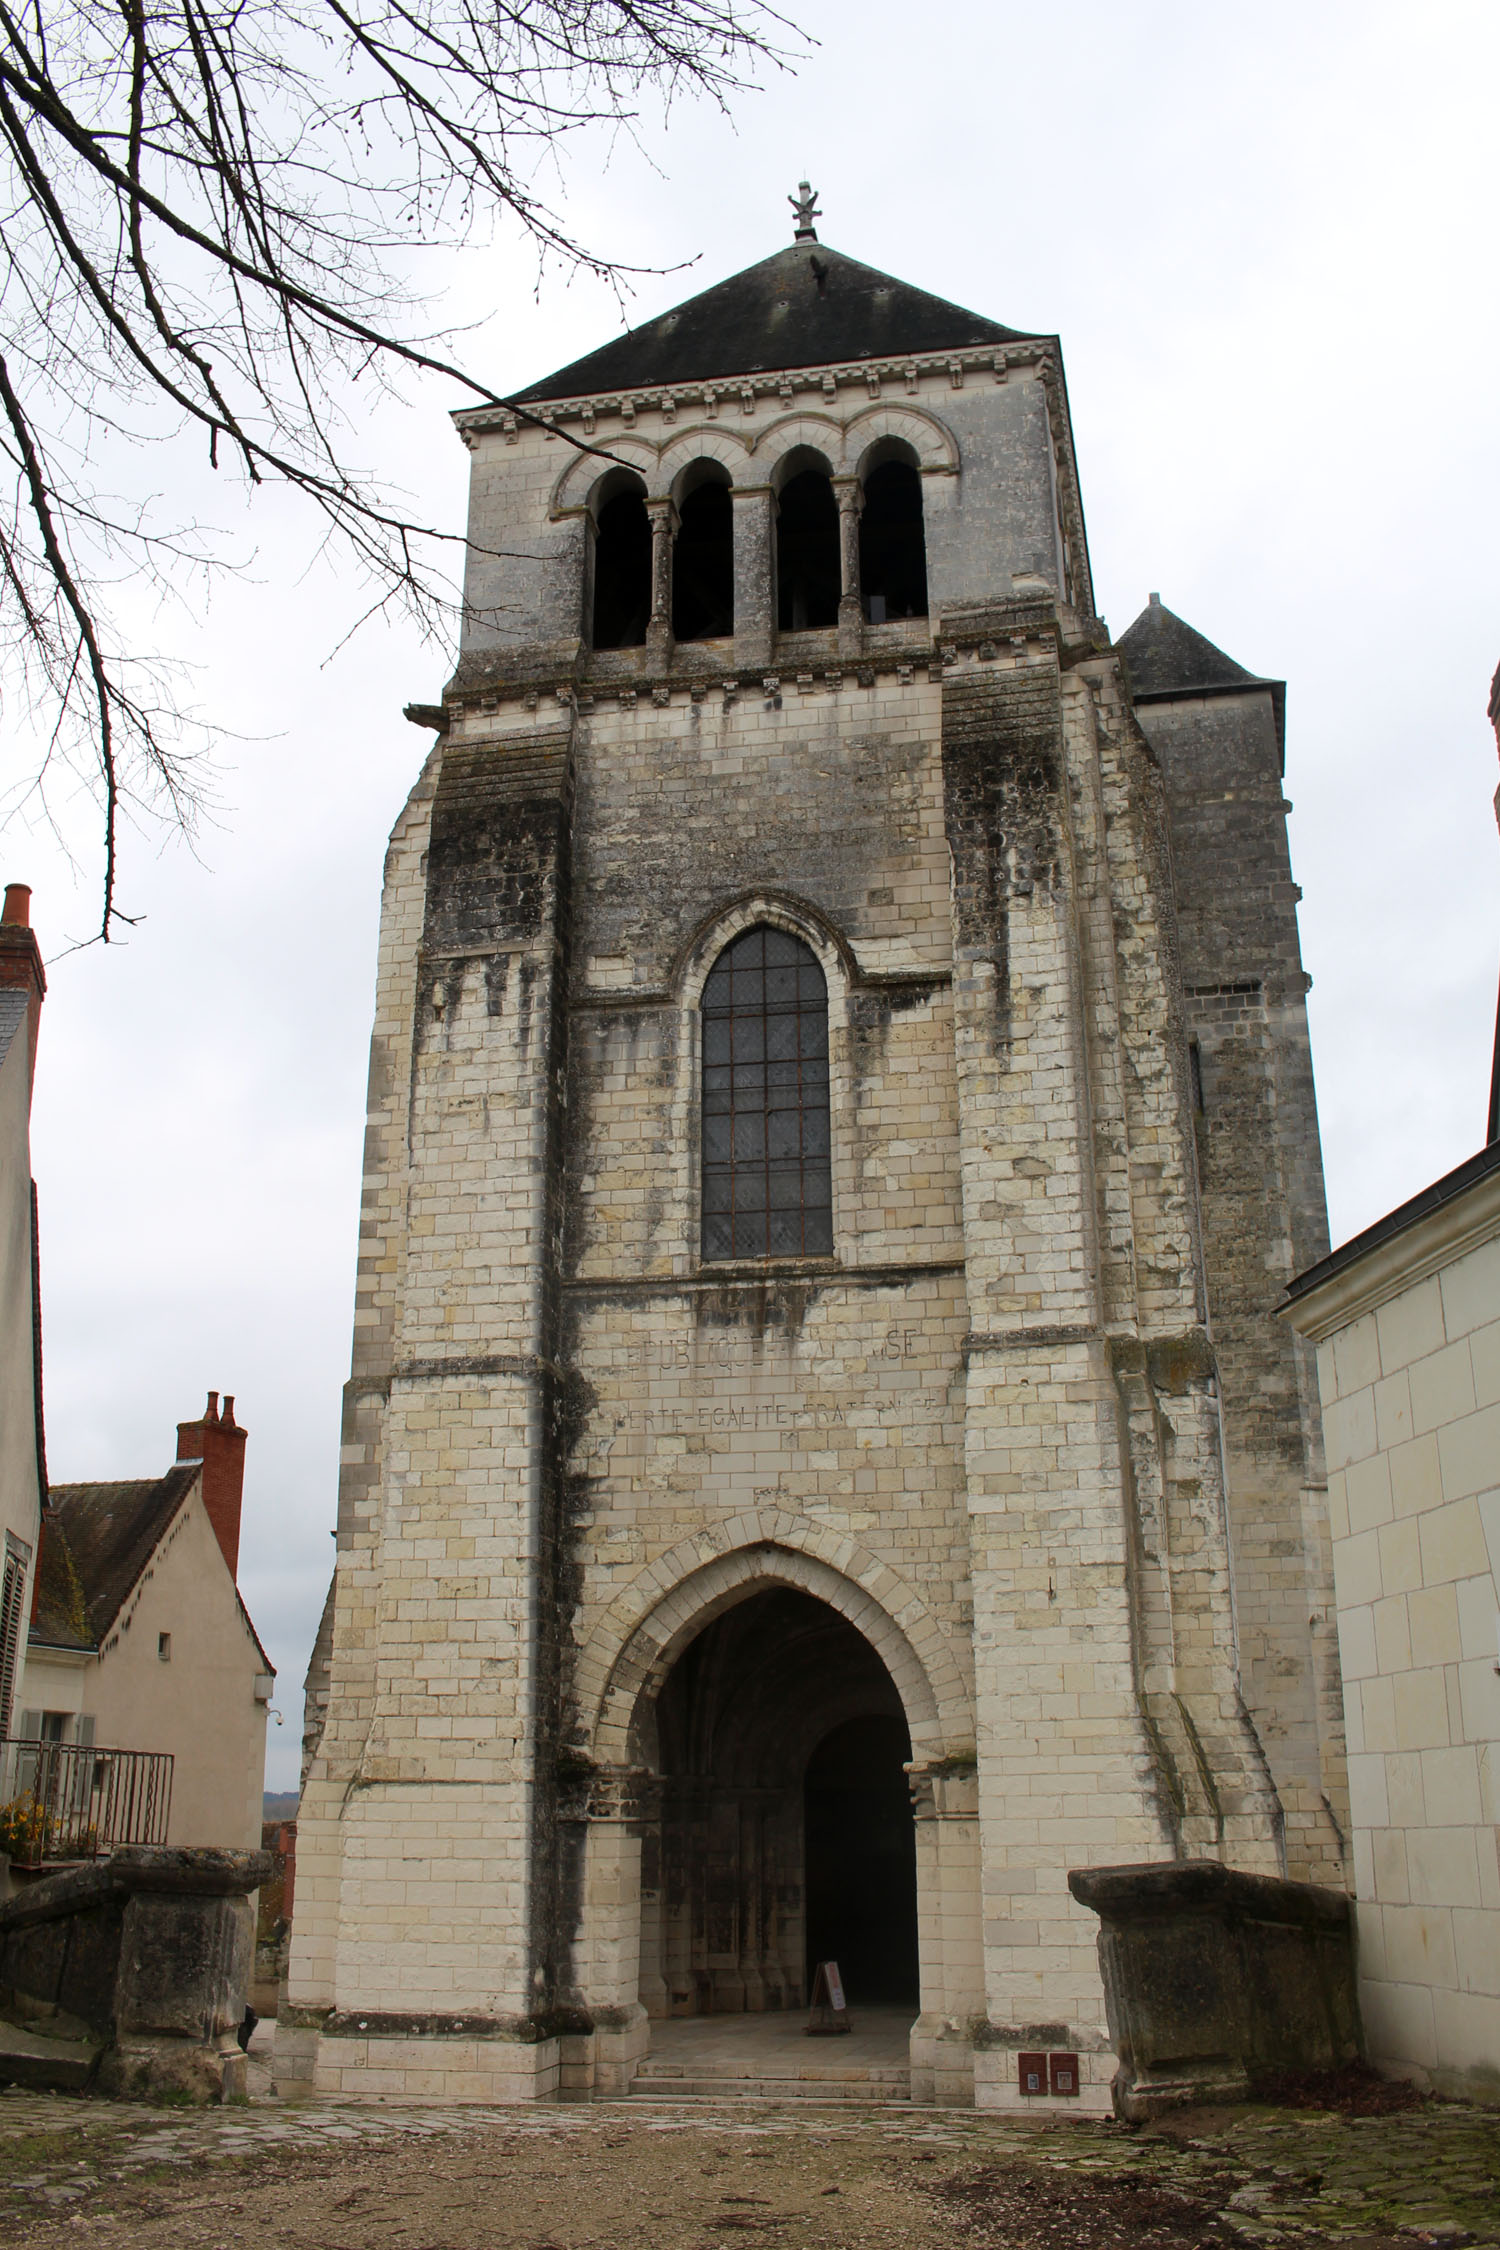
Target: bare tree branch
207 208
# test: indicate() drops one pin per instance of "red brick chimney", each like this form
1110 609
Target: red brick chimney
21 961
219 1443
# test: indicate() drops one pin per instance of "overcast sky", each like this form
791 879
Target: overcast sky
1267 238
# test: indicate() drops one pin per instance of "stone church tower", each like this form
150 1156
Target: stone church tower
818 1463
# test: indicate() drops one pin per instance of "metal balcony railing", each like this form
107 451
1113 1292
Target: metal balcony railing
64 1801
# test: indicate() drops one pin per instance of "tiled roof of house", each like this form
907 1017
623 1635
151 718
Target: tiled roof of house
806 306
96 1541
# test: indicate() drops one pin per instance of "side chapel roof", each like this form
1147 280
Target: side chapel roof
805 306
1168 660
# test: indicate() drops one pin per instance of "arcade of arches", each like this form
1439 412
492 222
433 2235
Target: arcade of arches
782 1833
889 565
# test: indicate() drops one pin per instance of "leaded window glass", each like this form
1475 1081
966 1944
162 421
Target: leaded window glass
767 1178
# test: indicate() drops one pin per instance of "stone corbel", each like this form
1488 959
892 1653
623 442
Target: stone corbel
948 1789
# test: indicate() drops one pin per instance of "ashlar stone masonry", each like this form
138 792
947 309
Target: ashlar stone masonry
707 1607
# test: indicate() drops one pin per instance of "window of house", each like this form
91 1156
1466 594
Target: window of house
808 577
622 570
703 563
767 1174
892 545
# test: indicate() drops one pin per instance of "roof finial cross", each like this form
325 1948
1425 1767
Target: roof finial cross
805 206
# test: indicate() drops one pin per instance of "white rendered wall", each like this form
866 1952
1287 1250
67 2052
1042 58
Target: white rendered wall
1411 1415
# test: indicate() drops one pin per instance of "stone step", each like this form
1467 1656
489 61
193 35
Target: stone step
43 2063
872 2091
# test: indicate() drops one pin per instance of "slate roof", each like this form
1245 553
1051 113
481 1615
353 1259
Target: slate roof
1452 1184
96 1541
1168 659
805 306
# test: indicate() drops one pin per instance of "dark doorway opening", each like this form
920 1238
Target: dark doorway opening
703 566
783 1831
860 1853
808 578
892 544
622 572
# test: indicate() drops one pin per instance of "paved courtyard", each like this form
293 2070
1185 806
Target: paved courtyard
658 2175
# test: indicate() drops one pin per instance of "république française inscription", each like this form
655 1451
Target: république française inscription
676 1371
685 1355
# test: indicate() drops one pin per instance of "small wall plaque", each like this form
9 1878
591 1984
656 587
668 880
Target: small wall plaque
1062 2070
1033 2072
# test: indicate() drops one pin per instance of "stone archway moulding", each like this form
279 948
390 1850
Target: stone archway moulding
783 911
658 464
642 1634
584 471
932 441
843 444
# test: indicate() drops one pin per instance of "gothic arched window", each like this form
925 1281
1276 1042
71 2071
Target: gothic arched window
767 1176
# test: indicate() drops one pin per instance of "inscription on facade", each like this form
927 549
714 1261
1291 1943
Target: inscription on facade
670 1355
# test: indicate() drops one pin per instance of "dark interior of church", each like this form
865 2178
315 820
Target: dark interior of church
622 571
892 549
807 554
703 565
785 1833
892 556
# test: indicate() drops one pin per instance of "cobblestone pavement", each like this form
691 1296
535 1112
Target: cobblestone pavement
616 2174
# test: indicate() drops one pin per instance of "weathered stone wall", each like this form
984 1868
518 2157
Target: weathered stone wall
1264 1219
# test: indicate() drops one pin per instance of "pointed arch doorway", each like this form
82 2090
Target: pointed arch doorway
783 1831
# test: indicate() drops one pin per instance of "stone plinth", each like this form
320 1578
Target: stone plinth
150 1951
1213 1979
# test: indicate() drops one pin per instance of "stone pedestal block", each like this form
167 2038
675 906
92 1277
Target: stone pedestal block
151 1950
1214 1979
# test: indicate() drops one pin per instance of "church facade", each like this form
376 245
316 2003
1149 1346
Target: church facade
818 1462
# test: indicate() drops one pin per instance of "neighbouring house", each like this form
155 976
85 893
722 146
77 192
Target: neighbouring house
140 1639
1406 1320
23 1475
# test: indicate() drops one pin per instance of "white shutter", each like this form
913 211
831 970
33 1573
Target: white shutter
83 1730
31 1726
